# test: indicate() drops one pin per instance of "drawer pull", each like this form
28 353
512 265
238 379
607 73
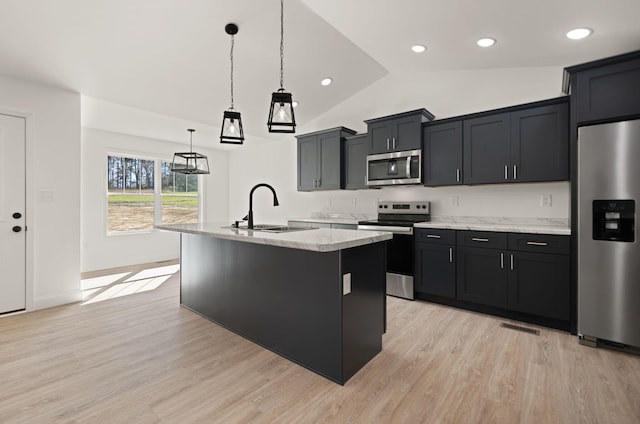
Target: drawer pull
479 239
537 243
451 255
511 262
433 236
502 261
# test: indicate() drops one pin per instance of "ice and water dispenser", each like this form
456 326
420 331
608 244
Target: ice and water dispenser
614 220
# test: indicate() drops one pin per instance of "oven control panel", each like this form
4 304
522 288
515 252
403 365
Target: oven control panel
419 207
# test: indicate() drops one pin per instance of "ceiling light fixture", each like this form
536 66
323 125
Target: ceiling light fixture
281 116
190 162
579 33
231 132
326 81
418 48
486 42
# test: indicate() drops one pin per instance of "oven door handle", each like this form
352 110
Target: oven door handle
389 229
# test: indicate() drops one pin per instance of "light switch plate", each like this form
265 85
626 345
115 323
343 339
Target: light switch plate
346 284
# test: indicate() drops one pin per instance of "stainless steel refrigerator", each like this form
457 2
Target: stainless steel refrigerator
608 247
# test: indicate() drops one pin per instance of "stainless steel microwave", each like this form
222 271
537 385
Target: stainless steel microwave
396 168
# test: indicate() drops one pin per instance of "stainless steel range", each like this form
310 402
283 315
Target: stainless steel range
398 218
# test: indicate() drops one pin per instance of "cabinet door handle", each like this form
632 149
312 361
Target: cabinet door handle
394 143
511 262
537 243
435 236
502 261
506 172
458 175
451 255
387 144
479 239
515 172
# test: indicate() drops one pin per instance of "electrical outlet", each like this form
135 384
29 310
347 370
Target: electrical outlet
453 200
346 284
545 200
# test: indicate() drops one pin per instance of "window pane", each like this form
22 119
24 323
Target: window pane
179 196
131 197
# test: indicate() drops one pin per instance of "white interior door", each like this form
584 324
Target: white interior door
12 214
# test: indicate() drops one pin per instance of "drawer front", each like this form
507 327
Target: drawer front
540 243
486 239
433 235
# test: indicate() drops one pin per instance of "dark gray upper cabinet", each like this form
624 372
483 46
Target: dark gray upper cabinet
321 159
606 89
526 144
486 149
397 132
355 154
540 144
442 154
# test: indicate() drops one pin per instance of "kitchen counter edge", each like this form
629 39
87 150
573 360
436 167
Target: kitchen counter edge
507 228
318 240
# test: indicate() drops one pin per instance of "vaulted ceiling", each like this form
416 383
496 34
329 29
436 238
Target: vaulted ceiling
168 60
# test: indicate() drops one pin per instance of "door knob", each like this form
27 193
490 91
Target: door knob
17 215
17 229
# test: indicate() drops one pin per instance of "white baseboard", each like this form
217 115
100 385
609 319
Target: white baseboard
57 299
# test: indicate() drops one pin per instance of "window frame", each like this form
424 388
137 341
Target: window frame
157 192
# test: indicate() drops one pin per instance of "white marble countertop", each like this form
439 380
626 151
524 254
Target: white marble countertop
511 225
335 218
318 239
326 220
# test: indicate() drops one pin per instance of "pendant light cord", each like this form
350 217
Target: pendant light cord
231 72
282 44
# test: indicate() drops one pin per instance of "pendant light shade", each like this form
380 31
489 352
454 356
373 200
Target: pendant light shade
281 116
231 132
190 162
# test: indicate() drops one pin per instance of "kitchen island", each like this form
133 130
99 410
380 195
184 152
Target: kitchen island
313 296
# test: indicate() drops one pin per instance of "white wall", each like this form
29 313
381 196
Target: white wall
445 94
102 251
53 189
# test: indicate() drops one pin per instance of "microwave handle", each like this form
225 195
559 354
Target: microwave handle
408 166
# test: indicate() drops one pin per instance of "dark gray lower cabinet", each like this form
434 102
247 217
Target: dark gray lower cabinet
510 272
435 262
539 284
482 277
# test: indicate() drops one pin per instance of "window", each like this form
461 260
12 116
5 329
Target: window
137 199
179 196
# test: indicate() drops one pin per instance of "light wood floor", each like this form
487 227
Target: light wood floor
141 358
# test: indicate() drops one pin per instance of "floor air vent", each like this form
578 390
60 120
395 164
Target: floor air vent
520 328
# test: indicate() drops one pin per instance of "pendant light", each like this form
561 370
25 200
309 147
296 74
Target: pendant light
190 162
281 116
231 132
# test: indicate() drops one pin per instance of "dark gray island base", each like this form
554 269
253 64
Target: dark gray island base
291 300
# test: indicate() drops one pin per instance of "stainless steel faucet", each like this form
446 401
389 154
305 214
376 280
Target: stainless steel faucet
250 214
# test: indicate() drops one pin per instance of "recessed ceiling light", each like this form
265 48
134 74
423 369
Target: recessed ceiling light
486 42
326 81
418 48
579 33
